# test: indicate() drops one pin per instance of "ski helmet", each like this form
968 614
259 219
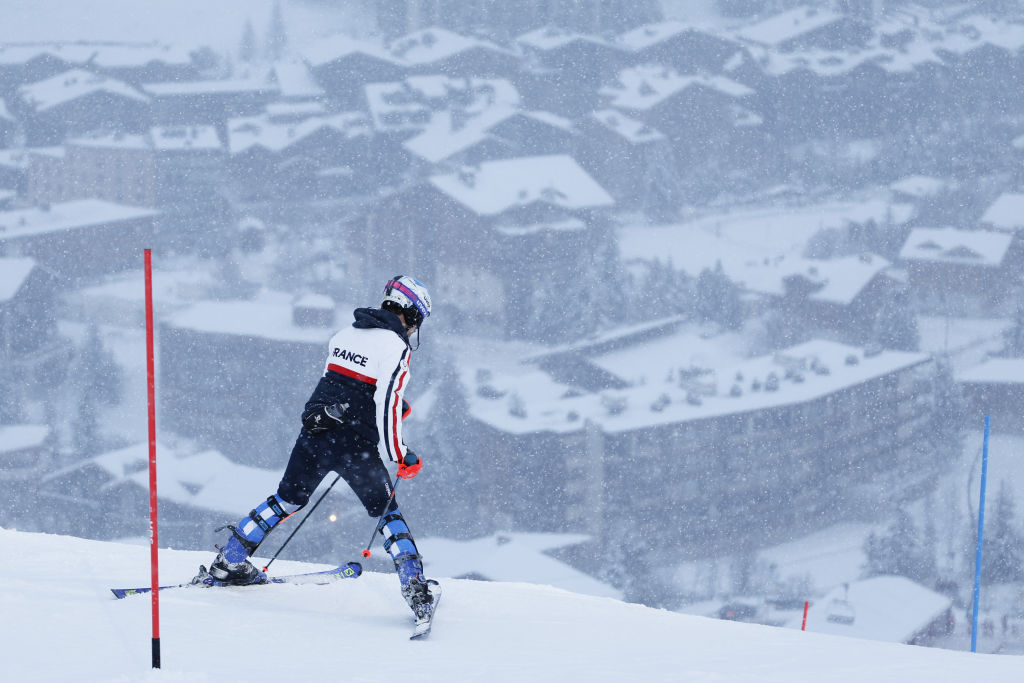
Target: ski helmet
410 295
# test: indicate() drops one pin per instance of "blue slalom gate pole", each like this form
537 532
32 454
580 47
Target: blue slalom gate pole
981 530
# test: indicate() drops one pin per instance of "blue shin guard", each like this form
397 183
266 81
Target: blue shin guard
399 543
254 527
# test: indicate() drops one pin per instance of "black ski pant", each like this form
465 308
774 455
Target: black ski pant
339 450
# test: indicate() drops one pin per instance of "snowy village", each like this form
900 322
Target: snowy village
723 293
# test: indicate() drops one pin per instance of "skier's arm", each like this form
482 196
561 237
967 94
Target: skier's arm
389 399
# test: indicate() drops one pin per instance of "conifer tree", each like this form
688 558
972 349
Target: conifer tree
277 34
247 48
1003 557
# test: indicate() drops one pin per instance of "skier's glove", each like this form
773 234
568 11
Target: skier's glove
409 466
323 419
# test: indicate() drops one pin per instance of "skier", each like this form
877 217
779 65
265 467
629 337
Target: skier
352 424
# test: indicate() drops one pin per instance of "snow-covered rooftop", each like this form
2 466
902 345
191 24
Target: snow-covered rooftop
496 186
210 87
837 280
411 104
554 37
433 44
267 316
1006 213
206 479
21 436
342 45
185 138
994 371
532 402
20 157
644 87
919 186
889 608
13 273
786 26
649 35
70 215
294 80
749 236
107 55
630 129
452 131
950 245
275 136
111 141
449 133
512 556
71 85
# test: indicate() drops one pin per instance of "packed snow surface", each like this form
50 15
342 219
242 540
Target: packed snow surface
61 623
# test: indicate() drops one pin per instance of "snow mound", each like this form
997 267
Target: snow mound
61 623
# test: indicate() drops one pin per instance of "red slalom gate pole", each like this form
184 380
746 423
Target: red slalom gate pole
803 626
151 396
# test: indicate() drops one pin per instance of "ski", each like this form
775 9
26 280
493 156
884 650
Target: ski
346 571
422 627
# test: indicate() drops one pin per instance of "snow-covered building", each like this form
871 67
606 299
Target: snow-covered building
6 124
436 50
21 64
889 608
546 209
457 138
26 455
1006 213
759 447
563 69
27 316
28 328
951 268
78 239
407 107
804 27
629 158
76 102
168 167
344 66
275 154
15 164
995 387
683 46
205 379
199 490
212 102
697 112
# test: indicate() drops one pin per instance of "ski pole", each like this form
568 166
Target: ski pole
376 528
299 526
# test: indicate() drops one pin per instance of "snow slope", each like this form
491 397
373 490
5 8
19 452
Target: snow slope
60 623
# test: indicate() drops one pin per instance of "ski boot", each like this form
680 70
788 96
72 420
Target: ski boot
241 573
419 596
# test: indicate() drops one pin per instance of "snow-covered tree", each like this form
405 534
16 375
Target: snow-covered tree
100 378
718 298
1003 558
247 47
900 551
277 34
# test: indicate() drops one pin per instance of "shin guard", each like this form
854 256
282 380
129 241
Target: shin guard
254 527
399 543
